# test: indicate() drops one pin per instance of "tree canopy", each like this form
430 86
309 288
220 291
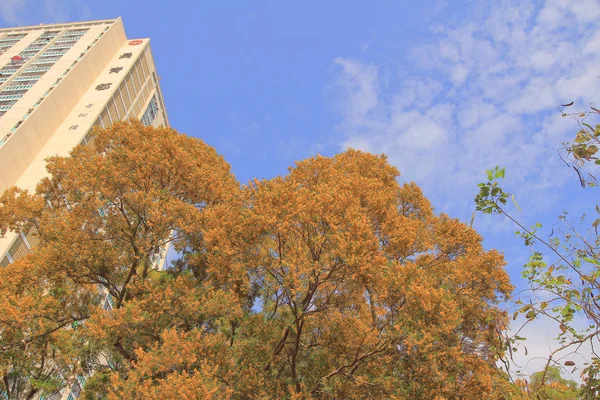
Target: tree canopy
333 281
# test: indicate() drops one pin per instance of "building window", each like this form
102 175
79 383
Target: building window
10 97
52 53
17 87
37 69
4 262
18 249
151 112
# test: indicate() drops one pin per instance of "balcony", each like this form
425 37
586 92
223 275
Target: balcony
35 69
67 40
15 88
26 78
52 53
60 47
48 35
27 54
74 33
10 40
46 61
11 97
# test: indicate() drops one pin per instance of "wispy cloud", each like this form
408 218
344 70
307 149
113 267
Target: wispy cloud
31 12
483 92
10 10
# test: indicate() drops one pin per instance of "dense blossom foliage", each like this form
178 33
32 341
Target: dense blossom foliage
333 281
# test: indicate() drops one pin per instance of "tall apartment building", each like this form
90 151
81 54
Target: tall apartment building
56 83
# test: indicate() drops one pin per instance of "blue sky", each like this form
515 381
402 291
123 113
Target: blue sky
447 89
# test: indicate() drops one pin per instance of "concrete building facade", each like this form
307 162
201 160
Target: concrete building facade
56 83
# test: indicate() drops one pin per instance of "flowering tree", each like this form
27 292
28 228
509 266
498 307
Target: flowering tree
332 281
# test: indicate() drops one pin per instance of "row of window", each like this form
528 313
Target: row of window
79 32
41 65
34 47
36 69
11 39
10 101
26 239
66 40
17 87
52 53
65 46
15 65
46 61
11 97
23 78
28 54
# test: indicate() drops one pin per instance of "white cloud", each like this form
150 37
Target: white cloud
504 70
474 112
9 10
458 74
419 93
358 86
532 354
542 59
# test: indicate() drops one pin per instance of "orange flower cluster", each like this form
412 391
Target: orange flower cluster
331 282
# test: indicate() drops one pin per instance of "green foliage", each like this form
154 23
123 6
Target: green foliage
584 147
96 387
570 283
549 384
490 194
